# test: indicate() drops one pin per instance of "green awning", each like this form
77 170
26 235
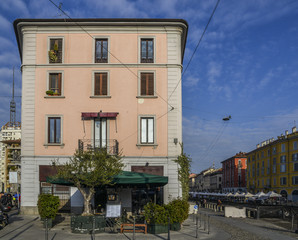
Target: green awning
135 178
125 178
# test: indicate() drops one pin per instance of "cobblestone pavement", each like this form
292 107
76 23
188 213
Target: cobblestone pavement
30 228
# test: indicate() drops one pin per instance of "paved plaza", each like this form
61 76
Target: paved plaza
30 228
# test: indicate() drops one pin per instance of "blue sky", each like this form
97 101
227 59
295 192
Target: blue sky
246 66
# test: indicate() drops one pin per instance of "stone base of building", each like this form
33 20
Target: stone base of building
29 210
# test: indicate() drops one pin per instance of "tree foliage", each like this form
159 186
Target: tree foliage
184 163
89 169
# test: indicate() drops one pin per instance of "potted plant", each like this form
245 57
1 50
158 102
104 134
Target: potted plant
53 56
50 92
48 207
156 217
178 210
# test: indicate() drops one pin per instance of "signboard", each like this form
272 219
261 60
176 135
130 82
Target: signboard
195 207
13 177
113 210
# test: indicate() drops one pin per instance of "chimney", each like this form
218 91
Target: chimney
294 129
286 132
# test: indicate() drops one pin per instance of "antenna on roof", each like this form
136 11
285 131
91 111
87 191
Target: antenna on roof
227 118
12 121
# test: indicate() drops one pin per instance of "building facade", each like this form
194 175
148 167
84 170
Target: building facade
100 83
234 173
209 180
9 152
273 166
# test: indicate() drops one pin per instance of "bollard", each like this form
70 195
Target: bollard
204 222
193 219
200 220
93 228
197 235
169 226
134 227
208 224
46 231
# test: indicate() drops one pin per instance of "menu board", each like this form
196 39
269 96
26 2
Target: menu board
113 210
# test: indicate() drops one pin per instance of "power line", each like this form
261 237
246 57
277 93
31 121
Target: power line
195 48
60 8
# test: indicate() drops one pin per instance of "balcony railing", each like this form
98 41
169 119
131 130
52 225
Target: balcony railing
111 145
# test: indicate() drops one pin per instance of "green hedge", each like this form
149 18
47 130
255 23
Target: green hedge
177 210
48 206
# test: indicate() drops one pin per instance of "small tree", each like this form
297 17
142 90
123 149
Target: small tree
89 169
184 162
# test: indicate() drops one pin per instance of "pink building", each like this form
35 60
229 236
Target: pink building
112 83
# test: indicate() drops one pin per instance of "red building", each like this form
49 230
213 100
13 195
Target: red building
234 173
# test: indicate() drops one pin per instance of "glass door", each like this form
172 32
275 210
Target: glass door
100 133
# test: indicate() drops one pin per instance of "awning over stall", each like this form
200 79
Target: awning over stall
125 178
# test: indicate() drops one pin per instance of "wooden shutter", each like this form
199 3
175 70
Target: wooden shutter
59 42
147 84
104 85
97 84
150 84
100 84
143 84
59 84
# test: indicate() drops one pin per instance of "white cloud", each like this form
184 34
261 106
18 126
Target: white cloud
191 81
16 6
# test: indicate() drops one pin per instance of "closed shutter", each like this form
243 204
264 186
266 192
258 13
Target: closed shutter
101 84
59 84
97 84
147 84
104 84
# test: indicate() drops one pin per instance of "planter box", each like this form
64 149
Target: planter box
84 224
157 228
176 226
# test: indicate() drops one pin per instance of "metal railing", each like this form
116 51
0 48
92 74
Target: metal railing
111 145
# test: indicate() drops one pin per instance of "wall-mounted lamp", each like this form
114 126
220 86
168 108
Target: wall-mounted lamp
147 164
175 141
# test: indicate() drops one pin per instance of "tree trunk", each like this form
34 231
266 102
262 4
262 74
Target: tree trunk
87 194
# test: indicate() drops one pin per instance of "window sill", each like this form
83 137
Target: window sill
146 97
54 145
54 96
147 145
100 96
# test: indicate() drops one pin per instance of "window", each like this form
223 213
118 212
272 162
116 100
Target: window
100 84
282 167
295 157
55 52
295 145
268 166
283 181
295 180
101 50
283 147
54 129
274 150
268 152
262 154
147 50
295 166
55 83
274 181
283 158
147 130
147 84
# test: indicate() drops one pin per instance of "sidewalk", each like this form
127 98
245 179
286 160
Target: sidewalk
24 227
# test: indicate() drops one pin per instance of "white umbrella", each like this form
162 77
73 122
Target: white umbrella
248 195
272 194
260 194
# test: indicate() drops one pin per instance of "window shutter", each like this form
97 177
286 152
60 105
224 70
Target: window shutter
150 84
143 84
104 84
96 84
59 84
59 42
